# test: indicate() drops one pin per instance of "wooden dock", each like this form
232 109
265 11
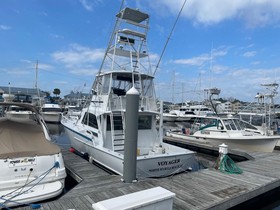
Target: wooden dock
204 189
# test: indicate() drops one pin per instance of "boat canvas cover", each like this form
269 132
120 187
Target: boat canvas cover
24 139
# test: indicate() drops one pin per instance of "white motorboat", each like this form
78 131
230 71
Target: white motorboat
51 112
198 110
237 134
100 131
18 112
168 117
183 114
32 167
186 113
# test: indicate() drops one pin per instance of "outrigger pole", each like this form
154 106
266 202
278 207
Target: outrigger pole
169 37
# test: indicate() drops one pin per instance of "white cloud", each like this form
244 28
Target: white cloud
250 54
4 27
26 61
89 4
56 36
255 63
195 61
18 71
217 69
60 82
202 59
78 55
80 60
89 72
254 13
44 66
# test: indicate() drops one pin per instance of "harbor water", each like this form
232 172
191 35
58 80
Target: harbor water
267 201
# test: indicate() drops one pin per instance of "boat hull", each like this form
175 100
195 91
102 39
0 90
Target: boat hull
52 117
30 179
38 193
260 143
169 117
150 165
20 115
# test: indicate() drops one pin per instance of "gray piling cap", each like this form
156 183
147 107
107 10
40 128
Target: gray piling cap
132 91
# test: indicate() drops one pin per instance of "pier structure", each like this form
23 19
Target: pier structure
204 189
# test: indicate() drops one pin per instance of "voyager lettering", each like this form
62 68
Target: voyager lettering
166 163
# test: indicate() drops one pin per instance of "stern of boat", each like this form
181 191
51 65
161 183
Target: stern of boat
31 179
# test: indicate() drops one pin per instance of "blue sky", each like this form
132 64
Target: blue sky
231 45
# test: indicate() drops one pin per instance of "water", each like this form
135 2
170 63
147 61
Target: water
267 201
58 135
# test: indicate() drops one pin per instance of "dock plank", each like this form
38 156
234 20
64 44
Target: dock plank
204 189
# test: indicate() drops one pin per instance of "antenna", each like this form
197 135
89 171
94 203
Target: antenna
169 37
36 75
36 83
211 65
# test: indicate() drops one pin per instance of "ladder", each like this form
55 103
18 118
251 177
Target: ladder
117 131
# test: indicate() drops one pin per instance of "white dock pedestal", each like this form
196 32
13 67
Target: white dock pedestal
156 198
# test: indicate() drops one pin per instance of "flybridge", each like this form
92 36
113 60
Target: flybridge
127 48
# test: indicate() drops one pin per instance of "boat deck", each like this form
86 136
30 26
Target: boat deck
204 189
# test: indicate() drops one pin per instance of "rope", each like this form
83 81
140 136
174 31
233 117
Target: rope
33 206
227 165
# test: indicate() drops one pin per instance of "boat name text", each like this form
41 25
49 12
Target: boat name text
170 162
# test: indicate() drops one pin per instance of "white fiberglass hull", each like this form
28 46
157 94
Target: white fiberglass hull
26 180
248 143
37 193
169 117
53 117
183 118
19 115
150 165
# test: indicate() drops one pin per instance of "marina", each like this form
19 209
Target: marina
205 189
123 145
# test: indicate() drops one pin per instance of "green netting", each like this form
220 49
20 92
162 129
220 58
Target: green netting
227 165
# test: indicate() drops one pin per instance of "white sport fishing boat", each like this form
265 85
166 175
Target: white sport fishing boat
100 131
32 168
237 134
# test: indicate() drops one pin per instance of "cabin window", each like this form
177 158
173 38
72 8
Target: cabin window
145 122
51 109
148 86
248 126
220 125
117 120
237 123
233 127
106 84
227 124
90 120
